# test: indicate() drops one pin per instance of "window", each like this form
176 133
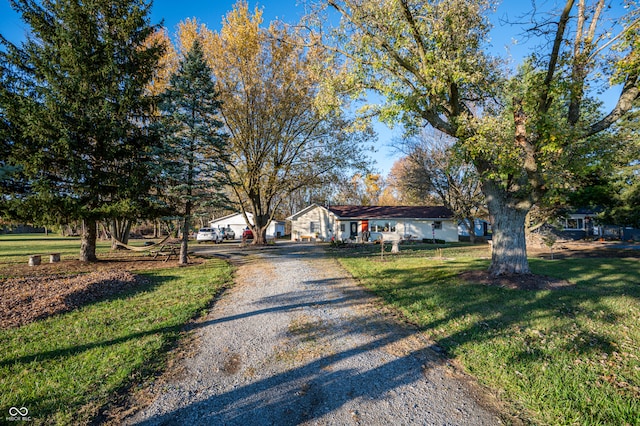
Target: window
314 227
574 224
342 227
375 226
437 225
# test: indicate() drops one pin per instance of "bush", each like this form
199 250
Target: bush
433 241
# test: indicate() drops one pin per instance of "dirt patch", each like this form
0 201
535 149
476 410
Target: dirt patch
232 364
516 281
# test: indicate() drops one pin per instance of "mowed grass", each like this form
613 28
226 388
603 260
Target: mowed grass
16 248
64 368
557 357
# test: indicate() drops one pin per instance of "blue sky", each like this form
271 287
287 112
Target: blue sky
211 13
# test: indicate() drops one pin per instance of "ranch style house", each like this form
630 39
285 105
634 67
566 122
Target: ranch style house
369 223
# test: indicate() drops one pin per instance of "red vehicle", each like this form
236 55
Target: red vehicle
247 234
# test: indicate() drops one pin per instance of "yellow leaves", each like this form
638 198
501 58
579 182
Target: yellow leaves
372 182
190 30
241 33
168 62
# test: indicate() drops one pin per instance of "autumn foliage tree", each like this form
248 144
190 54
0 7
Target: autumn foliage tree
432 63
432 170
364 189
281 138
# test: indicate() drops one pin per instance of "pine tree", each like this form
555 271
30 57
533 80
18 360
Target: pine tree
193 155
76 92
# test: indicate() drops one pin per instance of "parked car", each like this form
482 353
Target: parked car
209 234
247 234
228 233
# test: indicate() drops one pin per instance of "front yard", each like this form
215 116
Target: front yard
95 333
567 354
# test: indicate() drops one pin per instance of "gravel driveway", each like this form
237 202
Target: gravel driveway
298 342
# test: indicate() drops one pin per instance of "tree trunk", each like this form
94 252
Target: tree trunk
259 235
261 222
88 242
120 231
184 245
470 224
509 245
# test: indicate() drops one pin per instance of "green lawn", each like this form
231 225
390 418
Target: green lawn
567 356
67 366
16 248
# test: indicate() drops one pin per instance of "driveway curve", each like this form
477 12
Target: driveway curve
296 341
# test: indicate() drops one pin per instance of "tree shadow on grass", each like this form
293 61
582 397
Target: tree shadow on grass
498 308
533 328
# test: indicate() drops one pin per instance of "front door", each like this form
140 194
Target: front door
354 230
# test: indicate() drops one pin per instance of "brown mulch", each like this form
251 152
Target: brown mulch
516 281
34 293
27 299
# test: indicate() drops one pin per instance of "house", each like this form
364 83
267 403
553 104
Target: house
579 223
236 222
316 222
583 223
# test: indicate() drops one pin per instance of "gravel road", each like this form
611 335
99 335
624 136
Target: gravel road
298 342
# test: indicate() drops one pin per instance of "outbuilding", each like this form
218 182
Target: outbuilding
368 223
237 222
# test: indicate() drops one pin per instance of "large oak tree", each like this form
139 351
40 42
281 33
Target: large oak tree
281 136
432 63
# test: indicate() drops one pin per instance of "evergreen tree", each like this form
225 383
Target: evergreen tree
74 92
193 156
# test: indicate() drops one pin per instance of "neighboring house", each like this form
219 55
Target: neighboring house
236 222
579 224
481 228
583 223
392 222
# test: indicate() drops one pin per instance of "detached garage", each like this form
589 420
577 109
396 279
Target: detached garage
358 223
236 222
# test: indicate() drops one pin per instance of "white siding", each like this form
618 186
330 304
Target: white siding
321 218
235 222
328 226
238 224
343 235
421 228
